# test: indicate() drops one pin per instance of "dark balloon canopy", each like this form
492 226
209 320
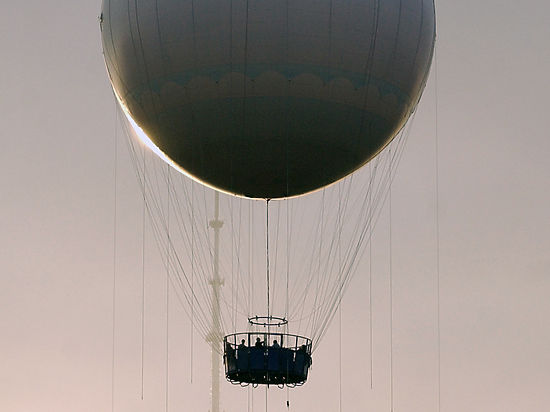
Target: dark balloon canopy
269 99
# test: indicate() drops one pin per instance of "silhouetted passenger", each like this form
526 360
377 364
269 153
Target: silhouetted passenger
259 343
275 344
242 345
229 350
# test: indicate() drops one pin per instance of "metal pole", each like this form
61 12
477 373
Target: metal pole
215 335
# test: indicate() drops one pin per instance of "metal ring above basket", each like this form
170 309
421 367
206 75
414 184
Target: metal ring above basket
267 321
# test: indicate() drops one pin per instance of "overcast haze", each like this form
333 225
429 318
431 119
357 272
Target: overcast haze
57 224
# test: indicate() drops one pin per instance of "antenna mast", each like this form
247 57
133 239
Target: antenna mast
215 335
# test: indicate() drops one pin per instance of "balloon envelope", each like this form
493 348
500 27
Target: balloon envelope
269 99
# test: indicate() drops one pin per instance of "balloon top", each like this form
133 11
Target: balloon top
267 102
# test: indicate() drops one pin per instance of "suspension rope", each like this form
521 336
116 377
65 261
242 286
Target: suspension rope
371 350
143 216
340 298
192 277
275 260
204 268
234 294
167 366
354 252
153 210
115 181
236 245
267 257
287 257
320 237
156 211
251 256
336 257
437 233
391 291
287 397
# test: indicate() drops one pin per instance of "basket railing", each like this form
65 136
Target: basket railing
266 340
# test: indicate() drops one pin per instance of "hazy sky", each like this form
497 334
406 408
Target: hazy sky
56 241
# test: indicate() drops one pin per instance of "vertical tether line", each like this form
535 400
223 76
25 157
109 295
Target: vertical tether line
143 276
339 297
250 257
287 276
287 398
371 212
167 285
192 274
267 254
114 259
438 289
391 287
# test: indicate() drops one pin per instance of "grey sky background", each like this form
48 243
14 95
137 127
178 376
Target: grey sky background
57 224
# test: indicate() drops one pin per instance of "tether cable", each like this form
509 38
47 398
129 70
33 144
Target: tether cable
391 288
267 254
143 222
438 276
115 178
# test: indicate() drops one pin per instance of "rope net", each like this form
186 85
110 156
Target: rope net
316 242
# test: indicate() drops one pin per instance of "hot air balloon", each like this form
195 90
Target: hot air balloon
267 100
